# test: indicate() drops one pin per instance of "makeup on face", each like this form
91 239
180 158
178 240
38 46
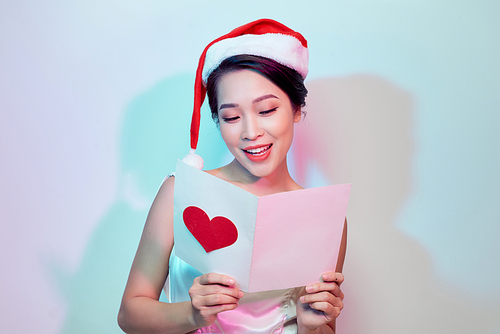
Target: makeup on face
256 121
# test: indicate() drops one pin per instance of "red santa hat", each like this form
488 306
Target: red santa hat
264 37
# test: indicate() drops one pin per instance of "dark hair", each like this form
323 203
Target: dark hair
286 78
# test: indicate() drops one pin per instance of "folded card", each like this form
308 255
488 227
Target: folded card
270 242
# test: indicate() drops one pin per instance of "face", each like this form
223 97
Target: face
256 121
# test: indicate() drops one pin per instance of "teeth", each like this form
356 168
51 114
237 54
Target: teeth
258 150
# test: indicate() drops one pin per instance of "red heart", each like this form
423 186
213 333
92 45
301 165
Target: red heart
212 234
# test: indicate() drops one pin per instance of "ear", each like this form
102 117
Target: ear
297 116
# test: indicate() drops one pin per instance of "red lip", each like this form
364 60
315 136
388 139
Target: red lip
258 157
255 147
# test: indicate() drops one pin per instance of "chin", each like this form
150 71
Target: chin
260 173
261 169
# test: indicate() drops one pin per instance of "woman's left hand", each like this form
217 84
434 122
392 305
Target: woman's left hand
320 304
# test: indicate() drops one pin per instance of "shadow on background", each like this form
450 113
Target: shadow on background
155 133
359 129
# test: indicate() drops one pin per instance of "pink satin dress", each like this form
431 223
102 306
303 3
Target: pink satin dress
257 313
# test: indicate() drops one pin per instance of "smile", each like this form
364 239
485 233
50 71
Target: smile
258 151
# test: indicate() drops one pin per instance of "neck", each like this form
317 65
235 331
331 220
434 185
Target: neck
278 181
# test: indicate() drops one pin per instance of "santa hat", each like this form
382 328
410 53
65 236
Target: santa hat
264 37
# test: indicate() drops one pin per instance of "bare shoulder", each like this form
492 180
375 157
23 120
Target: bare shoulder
217 172
294 185
160 217
166 189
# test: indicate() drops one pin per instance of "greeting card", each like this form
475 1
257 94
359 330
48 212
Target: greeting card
269 242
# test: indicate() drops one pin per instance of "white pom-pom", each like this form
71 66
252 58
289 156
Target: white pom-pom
193 159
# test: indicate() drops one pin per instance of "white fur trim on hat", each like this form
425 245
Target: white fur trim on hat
286 50
194 160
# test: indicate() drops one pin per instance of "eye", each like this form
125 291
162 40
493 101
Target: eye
267 112
230 119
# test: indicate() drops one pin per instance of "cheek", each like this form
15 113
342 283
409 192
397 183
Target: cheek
281 128
229 135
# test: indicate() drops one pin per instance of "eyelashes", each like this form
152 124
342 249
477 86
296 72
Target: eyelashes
267 112
236 118
230 119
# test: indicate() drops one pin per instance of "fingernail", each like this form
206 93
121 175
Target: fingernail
309 288
241 294
230 281
302 299
325 276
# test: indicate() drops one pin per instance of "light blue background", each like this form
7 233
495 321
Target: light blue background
95 98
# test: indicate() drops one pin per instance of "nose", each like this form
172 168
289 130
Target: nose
251 129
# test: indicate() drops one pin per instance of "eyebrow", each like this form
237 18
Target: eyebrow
228 105
264 97
260 98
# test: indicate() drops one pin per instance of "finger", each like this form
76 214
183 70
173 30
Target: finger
211 289
207 313
200 300
330 311
213 278
330 287
332 277
322 297
219 308
213 294
219 299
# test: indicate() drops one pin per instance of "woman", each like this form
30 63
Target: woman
254 78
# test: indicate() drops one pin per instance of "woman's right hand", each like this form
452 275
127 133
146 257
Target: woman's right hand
211 294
